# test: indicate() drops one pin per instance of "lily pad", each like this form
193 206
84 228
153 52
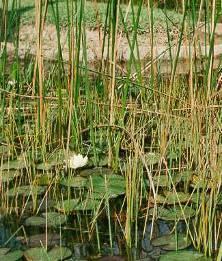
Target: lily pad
4 251
15 164
110 186
165 181
40 254
59 253
40 239
53 159
36 254
54 219
11 256
4 150
95 171
43 179
174 198
67 206
152 158
26 191
75 182
219 199
172 242
9 175
185 255
174 213
88 205
46 166
35 221
186 175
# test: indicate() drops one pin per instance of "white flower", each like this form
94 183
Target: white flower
76 161
12 83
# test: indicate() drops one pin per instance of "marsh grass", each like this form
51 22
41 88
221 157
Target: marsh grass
123 118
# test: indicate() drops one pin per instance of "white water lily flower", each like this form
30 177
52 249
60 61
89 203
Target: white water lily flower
12 83
76 161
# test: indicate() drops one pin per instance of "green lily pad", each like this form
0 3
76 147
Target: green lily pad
95 171
59 253
11 256
53 159
35 221
4 251
165 181
174 198
219 199
172 242
46 166
75 182
109 185
9 175
171 198
198 197
67 206
43 179
36 254
152 158
40 254
186 175
174 213
54 219
88 205
26 191
15 164
185 255
39 240
4 150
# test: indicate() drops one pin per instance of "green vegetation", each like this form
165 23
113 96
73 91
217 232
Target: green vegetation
110 154
96 15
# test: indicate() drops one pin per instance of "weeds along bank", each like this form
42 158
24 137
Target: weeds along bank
153 143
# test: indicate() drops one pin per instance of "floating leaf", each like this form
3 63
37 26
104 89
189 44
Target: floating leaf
9 175
67 206
54 219
186 175
11 256
95 171
26 191
165 181
88 204
185 255
46 166
35 221
76 182
43 179
4 150
152 158
174 213
176 197
59 253
4 251
40 239
109 185
40 254
219 199
199 182
172 242
36 254
15 164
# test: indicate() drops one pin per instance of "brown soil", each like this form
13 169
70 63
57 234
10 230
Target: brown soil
27 44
